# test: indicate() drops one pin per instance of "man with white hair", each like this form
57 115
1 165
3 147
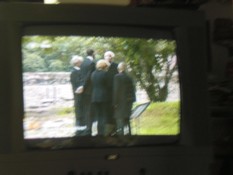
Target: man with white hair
112 71
108 56
76 82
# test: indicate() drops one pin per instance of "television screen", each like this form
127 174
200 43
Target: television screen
55 110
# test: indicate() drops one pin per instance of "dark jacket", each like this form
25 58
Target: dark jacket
99 86
123 95
87 67
75 78
112 71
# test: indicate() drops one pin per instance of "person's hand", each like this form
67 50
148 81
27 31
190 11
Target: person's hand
79 90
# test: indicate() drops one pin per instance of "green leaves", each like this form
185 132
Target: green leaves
33 63
151 62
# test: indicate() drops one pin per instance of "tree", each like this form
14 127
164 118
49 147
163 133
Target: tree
33 62
57 66
151 62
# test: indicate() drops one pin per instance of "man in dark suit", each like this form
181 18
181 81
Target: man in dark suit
87 67
112 71
123 98
76 82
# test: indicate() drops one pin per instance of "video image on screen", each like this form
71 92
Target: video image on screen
99 86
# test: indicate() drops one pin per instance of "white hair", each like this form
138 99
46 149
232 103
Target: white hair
121 67
109 53
76 59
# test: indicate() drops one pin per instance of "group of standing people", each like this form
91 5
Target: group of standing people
103 92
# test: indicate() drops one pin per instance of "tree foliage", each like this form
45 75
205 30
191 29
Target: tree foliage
151 62
153 65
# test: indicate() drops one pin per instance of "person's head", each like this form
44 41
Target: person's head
121 67
76 60
108 56
102 65
90 52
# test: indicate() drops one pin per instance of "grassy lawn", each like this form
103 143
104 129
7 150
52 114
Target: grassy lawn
158 119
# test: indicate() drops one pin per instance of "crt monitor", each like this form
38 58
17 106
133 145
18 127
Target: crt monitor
164 50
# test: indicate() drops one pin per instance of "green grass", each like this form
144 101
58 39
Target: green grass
161 118
158 119
65 111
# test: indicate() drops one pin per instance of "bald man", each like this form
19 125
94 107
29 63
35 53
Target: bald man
123 98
